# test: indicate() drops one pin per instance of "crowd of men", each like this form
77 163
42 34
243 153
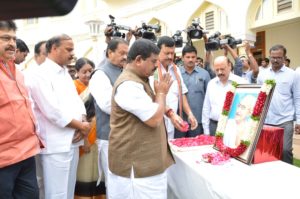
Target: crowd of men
141 99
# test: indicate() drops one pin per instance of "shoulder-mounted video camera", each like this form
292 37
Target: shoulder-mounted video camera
215 42
195 31
116 28
178 39
146 31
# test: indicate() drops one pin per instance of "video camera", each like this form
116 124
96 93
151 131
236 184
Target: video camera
215 42
178 39
146 31
116 28
195 31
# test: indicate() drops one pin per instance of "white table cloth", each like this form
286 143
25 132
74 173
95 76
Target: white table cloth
190 178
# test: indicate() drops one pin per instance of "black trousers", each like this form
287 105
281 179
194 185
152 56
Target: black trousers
18 181
213 127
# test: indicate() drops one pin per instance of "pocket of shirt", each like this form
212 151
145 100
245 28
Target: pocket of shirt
283 88
199 86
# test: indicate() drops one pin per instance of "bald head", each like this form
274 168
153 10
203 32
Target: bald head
222 68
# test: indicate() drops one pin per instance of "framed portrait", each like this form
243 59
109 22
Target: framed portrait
242 119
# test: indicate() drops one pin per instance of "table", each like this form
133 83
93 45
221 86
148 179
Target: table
191 178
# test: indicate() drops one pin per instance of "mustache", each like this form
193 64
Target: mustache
220 75
12 48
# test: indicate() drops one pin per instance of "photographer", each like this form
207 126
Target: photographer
244 66
108 32
207 60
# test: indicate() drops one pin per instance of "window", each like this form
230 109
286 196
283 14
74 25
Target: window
209 20
284 5
264 11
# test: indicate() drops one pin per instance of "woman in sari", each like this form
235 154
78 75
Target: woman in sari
87 172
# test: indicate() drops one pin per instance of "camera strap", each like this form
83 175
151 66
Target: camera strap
178 84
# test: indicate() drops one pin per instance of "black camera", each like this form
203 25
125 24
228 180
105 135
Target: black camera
195 31
232 42
178 39
215 42
146 31
116 28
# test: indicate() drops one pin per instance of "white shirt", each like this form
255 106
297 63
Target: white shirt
285 102
214 99
261 68
172 98
28 72
132 97
101 89
56 104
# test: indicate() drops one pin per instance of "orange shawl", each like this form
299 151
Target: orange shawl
80 87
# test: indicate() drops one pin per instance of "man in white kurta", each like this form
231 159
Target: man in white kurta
175 98
59 111
137 167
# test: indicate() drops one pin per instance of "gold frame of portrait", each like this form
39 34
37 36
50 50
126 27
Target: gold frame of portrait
247 156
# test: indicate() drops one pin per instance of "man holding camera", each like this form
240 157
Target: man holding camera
246 65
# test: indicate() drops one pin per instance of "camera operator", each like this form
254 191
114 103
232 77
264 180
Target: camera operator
244 66
207 60
108 37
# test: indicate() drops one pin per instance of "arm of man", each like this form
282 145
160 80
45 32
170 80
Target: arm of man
143 107
44 97
43 94
151 113
189 113
238 64
205 113
296 96
207 64
101 89
253 63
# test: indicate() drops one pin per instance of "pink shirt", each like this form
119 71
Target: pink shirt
18 139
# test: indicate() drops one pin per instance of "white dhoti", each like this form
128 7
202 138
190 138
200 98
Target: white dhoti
153 187
102 158
59 172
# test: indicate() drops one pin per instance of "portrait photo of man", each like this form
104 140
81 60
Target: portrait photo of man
238 125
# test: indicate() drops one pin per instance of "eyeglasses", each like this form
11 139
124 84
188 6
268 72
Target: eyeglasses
276 58
7 38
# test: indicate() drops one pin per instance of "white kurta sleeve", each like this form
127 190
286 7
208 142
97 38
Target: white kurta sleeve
132 97
101 89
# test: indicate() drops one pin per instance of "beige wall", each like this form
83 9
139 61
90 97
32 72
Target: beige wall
287 35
